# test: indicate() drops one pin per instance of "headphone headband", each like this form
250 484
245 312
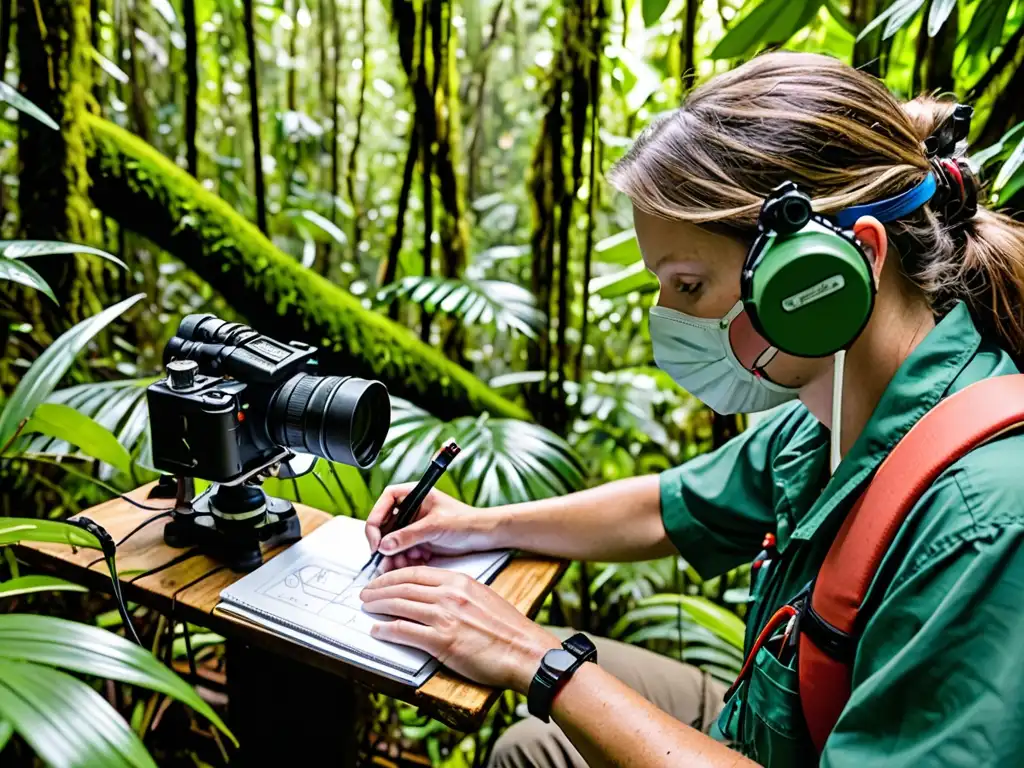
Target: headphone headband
890 208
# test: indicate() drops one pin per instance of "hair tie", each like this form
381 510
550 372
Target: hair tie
956 196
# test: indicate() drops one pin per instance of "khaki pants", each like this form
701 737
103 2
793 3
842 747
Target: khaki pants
685 692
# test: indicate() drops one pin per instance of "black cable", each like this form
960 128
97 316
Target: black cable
140 505
131 533
169 564
122 607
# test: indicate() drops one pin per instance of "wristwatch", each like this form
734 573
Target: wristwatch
557 666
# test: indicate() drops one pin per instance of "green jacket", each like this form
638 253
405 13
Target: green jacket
938 677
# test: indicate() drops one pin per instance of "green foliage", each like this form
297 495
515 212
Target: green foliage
771 21
492 303
52 364
65 423
177 212
25 585
503 461
23 105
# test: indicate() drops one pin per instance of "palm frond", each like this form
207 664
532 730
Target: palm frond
504 305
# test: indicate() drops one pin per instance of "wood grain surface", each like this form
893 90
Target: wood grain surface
186 586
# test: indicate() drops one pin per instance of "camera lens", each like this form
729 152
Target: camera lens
208 328
341 418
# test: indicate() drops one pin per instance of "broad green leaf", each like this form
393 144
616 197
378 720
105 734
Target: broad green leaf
621 248
94 651
108 66
326 226
981 158
652 10
23 274
23 105
24 585
635 277
894 17
771 21
65 423
937 15
985 31
52 364
25 249
6 731
17 529
117 406
722 622
1010 167
65 721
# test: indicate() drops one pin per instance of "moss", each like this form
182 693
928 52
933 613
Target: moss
56 74
146 192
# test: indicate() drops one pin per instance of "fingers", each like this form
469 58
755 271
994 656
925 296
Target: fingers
388 499
420 532
409 633
424 613
416 574
417 592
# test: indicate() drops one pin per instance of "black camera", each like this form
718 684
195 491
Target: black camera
233 409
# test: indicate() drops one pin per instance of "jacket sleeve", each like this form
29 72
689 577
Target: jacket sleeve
939 674
717 507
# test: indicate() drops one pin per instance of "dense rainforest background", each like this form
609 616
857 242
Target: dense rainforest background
416 187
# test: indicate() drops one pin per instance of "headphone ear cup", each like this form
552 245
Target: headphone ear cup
811 293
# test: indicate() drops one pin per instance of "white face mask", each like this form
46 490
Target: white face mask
698 354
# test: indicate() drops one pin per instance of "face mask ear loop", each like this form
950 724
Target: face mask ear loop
837 409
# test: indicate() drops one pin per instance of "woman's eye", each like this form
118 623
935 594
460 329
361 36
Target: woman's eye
687 288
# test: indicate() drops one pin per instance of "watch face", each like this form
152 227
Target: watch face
559 660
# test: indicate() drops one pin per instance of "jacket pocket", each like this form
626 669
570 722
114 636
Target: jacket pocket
773 726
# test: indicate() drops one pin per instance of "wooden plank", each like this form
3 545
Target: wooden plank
191 589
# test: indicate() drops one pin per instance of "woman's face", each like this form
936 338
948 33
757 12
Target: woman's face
699 273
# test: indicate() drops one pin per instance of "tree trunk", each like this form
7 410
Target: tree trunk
427 116
188 20
139 186
137 102
389 269
53 190
687 46
259 187
353 156
594 78
941 50
867 53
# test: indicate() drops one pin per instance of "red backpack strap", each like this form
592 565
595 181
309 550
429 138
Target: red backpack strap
960 422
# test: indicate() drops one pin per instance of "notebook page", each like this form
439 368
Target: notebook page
308 587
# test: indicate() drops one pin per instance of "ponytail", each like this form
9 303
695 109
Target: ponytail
976 256
991 276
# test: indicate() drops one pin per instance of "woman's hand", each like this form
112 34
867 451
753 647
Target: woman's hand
443 526
461 622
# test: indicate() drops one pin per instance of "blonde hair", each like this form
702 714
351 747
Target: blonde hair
845 140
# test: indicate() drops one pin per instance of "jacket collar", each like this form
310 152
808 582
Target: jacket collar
919 383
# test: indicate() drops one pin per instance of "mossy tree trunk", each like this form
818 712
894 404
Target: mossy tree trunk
139 186
53 39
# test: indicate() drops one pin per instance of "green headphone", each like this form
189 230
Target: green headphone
807 284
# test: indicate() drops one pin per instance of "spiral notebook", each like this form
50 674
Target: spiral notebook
306 594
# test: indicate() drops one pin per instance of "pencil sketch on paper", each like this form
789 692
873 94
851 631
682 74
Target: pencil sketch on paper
323 590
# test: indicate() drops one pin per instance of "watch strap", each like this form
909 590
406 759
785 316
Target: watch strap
546 682
579 645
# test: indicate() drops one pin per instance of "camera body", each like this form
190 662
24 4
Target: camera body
215 427
233 407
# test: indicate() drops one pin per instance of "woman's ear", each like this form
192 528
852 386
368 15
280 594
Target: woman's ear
874 241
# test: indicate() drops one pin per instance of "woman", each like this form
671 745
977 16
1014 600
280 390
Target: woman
938 676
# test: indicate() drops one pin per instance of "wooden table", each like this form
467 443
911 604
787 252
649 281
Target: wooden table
281 704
